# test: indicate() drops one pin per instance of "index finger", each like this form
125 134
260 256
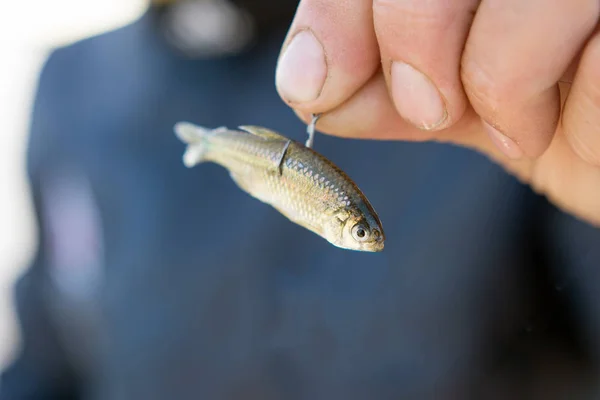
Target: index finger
421 45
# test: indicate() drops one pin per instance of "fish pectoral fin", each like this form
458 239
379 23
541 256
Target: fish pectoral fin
262 132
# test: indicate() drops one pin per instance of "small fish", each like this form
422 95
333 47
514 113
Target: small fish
297 181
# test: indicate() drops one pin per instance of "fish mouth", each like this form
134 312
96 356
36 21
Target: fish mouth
377 245
378 248
374 247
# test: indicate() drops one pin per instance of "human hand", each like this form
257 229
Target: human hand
516 80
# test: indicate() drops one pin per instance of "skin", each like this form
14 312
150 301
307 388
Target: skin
529 69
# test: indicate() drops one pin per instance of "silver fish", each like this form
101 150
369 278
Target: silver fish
297 181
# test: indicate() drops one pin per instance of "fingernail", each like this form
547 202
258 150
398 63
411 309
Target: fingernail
302 70
502 142
416 97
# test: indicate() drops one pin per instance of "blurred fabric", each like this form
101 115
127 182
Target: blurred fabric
28 32
154 281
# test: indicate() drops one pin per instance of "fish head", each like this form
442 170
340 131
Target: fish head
356 228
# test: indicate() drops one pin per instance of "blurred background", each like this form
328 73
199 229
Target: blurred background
29 30
497 292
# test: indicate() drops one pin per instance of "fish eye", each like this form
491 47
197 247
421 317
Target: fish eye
360 232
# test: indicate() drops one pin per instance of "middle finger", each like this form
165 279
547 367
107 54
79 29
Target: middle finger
515 54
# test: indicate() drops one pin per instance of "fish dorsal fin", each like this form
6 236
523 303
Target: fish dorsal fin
262 132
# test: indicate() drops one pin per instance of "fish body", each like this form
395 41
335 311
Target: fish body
297 181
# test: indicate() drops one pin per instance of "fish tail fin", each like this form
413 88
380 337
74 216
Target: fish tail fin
196 137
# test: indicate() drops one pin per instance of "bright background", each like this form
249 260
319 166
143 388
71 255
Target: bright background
29 29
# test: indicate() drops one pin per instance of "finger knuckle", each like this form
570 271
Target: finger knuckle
485 86
585 150
409 6
416 12
590 11
591 63
582 111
